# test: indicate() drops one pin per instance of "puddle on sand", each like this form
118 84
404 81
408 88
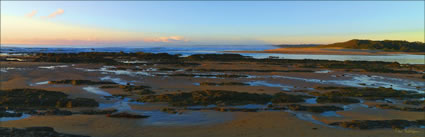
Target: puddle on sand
323 71
53 67
133 61
373 81
264 83
251 106
120 105
311 101
9 68
330 114
39 83
116 80
351 106
380 81
306 117
96 90
2 119
159 118
107 69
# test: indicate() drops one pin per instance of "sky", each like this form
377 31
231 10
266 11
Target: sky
168 23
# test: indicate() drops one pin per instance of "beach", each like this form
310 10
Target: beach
260 78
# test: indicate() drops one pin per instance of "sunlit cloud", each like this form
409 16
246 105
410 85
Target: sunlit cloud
30 15
54 14
167 39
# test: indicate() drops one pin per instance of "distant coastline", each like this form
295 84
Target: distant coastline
328 51
352 47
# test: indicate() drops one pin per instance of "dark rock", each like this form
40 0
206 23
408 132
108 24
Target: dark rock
23 98
367 93
126 115
414 102
170 110
335 99
9 114
223 84
98 112
209 97
58 112
375 124
386 106
236 109
80 82
288 98
315 109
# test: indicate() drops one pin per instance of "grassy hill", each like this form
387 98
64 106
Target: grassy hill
386 45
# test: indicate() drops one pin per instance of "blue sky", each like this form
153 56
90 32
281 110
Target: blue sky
236 22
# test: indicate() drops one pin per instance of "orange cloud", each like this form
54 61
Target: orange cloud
167 39
29 15
56 13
